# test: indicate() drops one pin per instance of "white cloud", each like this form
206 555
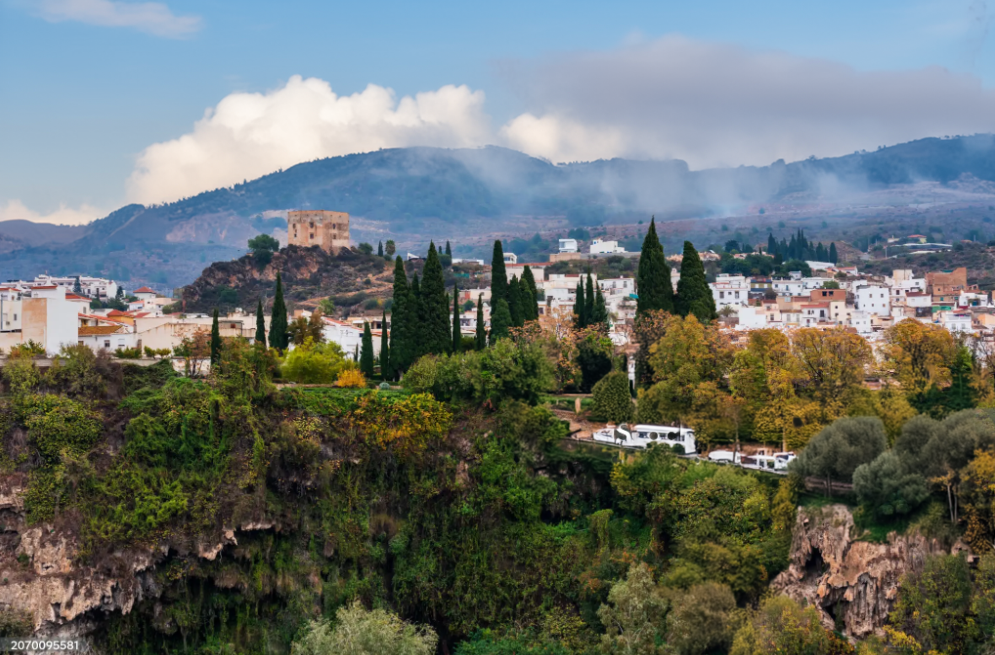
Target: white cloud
252 134
150 17
15 210
718 104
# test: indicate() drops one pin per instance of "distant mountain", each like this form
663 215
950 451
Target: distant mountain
412 193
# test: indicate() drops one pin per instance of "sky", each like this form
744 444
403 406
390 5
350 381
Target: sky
106 102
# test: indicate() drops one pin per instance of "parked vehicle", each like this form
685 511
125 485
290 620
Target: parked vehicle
642 436
761 460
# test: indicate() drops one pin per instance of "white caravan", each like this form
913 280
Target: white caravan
760 460
642 436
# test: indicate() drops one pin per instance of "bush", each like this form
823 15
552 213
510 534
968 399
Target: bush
351 378
612 400
358 631
314 364
128 353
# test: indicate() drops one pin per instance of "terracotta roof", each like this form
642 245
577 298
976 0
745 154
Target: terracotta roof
118 312
97 330
48 286
144 290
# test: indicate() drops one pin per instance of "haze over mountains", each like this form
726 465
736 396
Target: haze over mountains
413 194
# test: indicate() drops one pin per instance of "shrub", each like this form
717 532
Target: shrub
128 353
351 378
358 631
612 400
314 364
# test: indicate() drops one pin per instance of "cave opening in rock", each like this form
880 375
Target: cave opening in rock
815 566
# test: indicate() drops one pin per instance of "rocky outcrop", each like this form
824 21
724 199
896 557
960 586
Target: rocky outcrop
851 583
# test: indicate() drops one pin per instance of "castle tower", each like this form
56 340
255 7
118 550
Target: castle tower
329 230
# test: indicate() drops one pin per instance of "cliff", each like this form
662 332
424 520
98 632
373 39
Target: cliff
851 583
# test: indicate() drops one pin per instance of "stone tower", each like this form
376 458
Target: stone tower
329 230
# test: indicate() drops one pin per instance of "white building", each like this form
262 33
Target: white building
861 322
600 247
730 290
510 258
348 337
955 321
751 318
41 314
788 287
106 337
92 287
568 245
873 298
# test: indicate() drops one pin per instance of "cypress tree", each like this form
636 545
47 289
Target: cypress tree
434 306
260 325
653 276
500 321
379 248
793 248
78 287
480 338
515 302
449 250
771 244
385 371
278 336
589 301
400 341
833 257
457 335
499 278
599 314
693 293
416 322
529 278
366 351
530 311
580 306
215 339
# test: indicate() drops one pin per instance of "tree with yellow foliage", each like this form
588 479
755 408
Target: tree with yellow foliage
919 354
832 360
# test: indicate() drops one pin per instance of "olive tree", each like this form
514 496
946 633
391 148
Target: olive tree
837 451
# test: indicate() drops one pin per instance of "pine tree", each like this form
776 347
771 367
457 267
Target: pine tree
279 338
500 321
400 338
457 334
833 257
580 306
379 248
693 293
366 351
529 279
260 325
215 340
449 250
653 276
480 338
436 338
589 301
515 302
499 278
771 244
385 371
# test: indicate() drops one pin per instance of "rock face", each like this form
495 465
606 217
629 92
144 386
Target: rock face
851 583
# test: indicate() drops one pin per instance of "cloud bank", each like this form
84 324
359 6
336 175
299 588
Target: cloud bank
710 104
150 17
252 134
15 210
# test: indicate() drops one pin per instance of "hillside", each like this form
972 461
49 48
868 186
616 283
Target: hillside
413 194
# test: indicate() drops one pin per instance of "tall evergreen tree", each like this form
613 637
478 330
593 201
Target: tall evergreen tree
599 315
400 313
457 334
530 311
449 250
653 276
78 287
436 338
215 339
385 370
417 324
480 338
833 256
379 248
499 278
529 279
500 321
693 293
793 248
589 300
366 351
580 306
260 325
820 252
771 244
279 338
515 302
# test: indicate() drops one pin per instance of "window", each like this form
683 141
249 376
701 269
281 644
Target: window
107 343
81 343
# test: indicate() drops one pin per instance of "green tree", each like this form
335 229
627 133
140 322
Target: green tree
634 615
401 347
313 363
366 351
961 393
416 325
887 489
529 278
327 307
366 248
278 336
589 301
653 276
499 278
771 245
580 306
77 287
434 310
599 314
933 607
480 338
449 250
612 399
500 320
833 256
379 248
837 451
700 620
385 371
390 248
783 626
457 333
693 293
215 339
260 325
515 302
358 631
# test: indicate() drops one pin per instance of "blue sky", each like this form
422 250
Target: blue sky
88 85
